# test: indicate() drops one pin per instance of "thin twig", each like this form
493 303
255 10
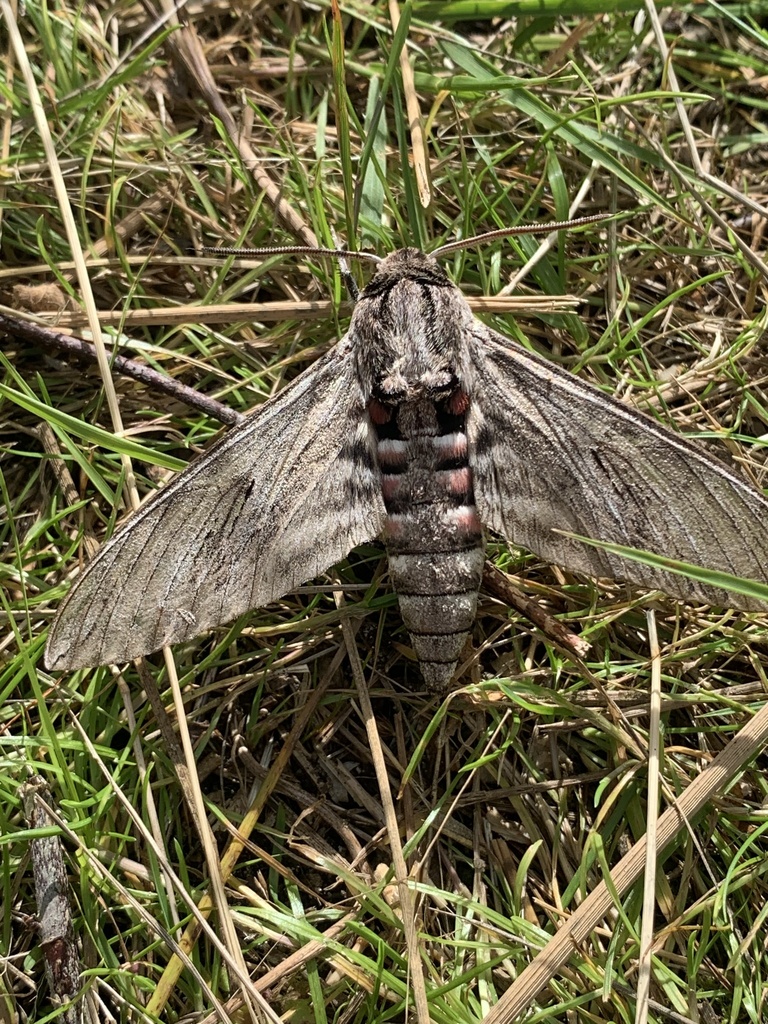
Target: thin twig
499 584
185 47
49 338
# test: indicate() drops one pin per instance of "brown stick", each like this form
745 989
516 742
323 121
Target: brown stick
57 940
498 584
46 336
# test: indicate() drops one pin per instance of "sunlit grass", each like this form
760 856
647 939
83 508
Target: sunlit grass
525 786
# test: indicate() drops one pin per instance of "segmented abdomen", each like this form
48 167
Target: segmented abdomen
433 536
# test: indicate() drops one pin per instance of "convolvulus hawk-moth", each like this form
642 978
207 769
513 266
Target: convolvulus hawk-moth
421 426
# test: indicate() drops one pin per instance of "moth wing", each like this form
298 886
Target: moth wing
550 452
277 501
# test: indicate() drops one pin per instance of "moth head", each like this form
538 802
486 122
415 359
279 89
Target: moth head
406 265
404 261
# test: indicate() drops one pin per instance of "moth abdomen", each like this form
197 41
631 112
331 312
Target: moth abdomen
432 532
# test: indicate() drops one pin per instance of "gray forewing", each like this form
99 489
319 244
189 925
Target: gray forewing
276 502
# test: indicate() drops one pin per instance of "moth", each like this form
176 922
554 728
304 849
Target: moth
425 428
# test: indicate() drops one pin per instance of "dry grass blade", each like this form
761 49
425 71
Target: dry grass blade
320 309
70 227
415 126
231 855
258 1009
403 881
644 975
711 782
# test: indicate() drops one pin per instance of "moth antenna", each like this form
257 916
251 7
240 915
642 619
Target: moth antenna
350 283
292 250
520 229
